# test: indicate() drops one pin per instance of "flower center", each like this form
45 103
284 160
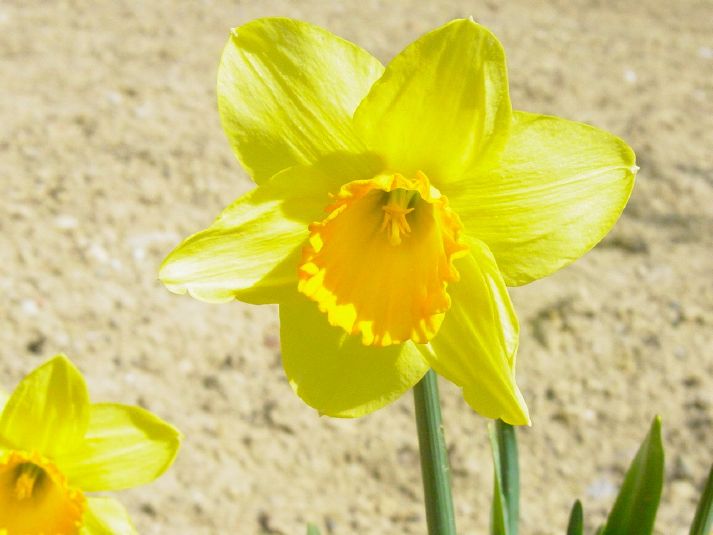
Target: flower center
35 498
26 476
379 263
395 211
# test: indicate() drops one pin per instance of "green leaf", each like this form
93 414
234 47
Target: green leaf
576 520
312 529
635 508
506 492
498 517
703 521
601 529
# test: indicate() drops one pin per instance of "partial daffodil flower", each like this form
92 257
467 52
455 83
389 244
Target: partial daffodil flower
393 207
55 446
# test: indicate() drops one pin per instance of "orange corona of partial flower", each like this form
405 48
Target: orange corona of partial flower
36 497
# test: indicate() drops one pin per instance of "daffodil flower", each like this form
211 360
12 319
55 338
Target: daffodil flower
393 207
55 446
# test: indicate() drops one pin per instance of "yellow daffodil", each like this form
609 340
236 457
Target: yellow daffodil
393 207
55 445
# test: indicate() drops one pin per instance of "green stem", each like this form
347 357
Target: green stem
504 443
434 457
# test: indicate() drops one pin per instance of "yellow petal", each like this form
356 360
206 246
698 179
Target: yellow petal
287 91
379 264
124 447
49 410
251 251
442 103
35 497
558 188
106 516
334 372
476 345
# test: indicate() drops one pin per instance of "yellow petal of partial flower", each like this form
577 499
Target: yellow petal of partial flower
476 345
441 105
334 372
251 251
287 91
557 190
49 410
124 447
106 516
35 497
4 446
379 264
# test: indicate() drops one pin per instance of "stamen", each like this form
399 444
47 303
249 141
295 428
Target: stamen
395 211
27 477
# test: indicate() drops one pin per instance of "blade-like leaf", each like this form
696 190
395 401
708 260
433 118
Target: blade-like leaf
576 520
703 521
635 508
498 516
312 529
506 486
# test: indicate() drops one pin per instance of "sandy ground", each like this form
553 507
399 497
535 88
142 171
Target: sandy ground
111 151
